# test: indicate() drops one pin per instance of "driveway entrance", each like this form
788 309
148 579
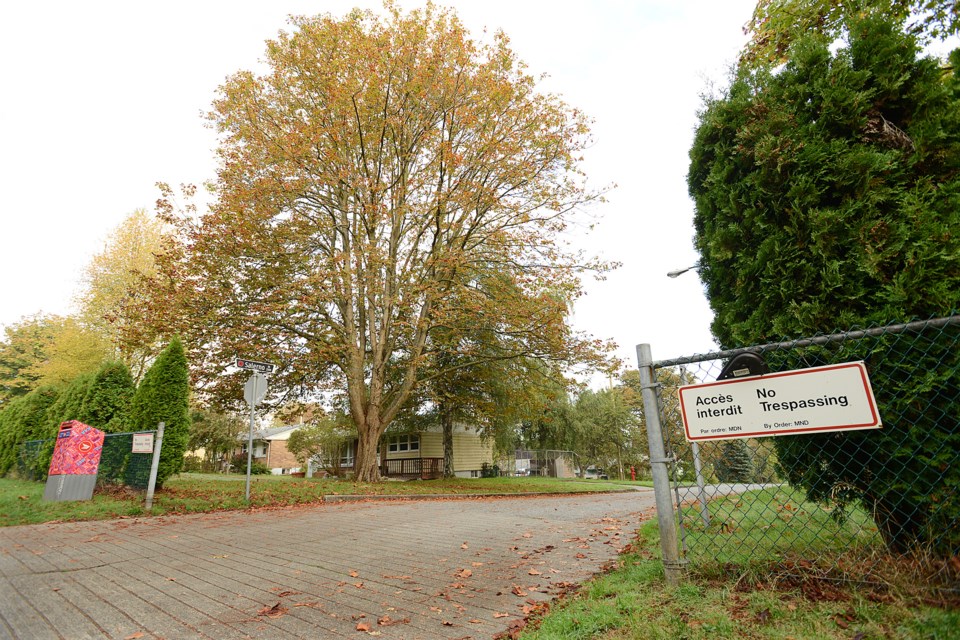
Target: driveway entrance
452 569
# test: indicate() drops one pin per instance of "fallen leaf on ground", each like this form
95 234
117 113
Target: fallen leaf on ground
501 615
463 573
275 611
534 572
134 636
354 574
464 546
363 626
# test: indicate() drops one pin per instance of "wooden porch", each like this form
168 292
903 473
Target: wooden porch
409 468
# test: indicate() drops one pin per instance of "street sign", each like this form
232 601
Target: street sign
831 398
255 389
253 365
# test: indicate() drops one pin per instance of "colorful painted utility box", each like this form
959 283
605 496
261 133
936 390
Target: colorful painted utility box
76 458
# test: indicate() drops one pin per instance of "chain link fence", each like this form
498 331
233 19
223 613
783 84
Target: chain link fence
118 464
846 505
550 463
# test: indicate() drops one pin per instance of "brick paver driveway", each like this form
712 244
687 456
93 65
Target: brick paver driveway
452 569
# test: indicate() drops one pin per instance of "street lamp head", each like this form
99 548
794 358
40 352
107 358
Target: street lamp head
677 272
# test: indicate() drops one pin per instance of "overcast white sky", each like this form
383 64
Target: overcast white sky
102 100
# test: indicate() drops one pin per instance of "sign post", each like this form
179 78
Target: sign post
253 392
154 466
819 399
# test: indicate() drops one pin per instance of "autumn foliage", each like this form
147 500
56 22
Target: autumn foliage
385 179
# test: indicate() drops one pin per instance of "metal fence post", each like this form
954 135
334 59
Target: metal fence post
672 565
151 484
701 488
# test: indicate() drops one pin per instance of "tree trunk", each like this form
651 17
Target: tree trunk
446 420
365 463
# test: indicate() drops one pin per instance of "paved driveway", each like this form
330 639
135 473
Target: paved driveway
452 569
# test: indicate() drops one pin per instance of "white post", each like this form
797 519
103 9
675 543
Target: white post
154 465
250 451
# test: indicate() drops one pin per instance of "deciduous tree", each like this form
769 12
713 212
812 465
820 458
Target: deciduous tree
113 282
45 350
216 432
366 179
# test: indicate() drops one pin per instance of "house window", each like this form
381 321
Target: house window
346 455
259 449
404 442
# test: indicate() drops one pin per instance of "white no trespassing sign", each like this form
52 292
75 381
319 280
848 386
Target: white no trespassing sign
831 398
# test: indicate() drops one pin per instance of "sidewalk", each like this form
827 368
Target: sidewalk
446 569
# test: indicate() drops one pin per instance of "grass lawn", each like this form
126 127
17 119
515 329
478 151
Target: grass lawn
21 502
633 602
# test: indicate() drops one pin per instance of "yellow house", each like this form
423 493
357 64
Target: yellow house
421 454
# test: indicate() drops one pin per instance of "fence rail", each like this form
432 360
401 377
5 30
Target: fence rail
846 504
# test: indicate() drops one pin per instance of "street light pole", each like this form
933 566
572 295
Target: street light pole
694 447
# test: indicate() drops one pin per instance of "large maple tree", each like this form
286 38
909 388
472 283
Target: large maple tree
384 180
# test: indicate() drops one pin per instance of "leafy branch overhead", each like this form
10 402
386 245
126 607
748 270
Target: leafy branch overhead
776 24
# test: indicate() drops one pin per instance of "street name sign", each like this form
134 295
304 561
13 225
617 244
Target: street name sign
831 398
253 365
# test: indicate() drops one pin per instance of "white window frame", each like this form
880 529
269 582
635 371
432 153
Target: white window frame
403 443
347 455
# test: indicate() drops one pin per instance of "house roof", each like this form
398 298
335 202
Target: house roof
274 433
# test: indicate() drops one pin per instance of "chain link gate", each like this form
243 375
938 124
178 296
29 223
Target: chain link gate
848 505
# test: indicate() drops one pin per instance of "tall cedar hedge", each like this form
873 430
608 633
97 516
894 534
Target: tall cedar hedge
23 419
106 404
827 197
163 396
67 406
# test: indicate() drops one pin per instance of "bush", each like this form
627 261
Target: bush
238 464
163 396
23 419
106 404
827 196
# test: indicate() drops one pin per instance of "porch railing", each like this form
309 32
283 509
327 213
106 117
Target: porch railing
423 468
